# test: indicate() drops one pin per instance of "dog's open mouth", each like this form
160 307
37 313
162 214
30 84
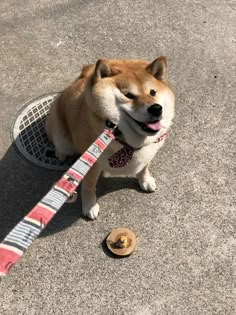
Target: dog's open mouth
150 127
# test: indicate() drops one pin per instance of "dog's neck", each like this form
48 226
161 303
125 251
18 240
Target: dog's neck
119 137
123 156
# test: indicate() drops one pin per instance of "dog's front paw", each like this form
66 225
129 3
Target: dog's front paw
91 213
148 184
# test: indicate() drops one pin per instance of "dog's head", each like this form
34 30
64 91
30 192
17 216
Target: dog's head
133 94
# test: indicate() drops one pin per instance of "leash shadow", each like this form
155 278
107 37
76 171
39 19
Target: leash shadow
24 184
71 213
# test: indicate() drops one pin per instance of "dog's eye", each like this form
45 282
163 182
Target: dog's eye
130 95
153 92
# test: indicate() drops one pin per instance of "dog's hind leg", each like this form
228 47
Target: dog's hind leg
60 156
57 134
63 147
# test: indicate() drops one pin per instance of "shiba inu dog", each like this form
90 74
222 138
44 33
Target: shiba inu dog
132 94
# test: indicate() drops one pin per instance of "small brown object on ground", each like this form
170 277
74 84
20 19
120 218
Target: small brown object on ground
121 241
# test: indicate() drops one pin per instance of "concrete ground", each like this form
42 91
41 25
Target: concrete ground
185 259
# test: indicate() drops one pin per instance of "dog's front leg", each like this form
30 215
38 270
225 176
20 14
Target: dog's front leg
146 181
90 207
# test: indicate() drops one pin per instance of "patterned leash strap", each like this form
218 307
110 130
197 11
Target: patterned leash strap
20 238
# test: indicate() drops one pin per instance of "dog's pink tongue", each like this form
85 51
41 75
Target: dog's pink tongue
154 125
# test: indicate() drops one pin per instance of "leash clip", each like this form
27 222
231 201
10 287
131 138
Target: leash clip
111 125
113 128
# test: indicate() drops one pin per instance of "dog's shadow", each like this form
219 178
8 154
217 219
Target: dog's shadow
22 185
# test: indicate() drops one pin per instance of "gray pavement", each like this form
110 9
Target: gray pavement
185 258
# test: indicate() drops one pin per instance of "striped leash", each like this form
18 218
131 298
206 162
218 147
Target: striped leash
26 231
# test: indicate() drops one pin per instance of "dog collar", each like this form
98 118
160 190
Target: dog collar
123 156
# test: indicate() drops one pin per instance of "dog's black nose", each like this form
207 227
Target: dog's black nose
155 110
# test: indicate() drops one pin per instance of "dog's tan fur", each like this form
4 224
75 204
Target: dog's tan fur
79 114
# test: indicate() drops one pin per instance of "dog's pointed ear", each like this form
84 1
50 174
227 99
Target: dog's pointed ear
102 69
158 68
